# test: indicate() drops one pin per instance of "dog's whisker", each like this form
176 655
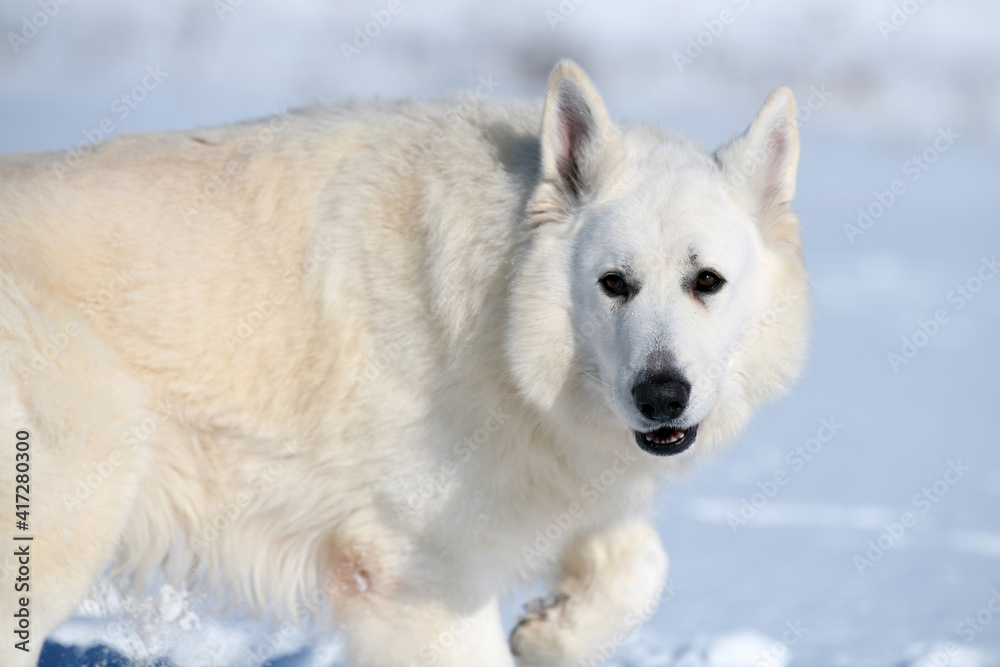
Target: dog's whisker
591 375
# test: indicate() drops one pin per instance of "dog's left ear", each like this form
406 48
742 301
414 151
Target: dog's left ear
765 159
576 135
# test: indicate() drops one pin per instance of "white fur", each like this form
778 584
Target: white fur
374 362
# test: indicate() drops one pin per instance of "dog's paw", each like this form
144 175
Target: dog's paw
542 634
608 576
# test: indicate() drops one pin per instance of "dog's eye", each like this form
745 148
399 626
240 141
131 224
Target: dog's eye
614 285
708 282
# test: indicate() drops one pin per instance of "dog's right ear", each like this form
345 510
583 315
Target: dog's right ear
576 137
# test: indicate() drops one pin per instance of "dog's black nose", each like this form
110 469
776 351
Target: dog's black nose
661 397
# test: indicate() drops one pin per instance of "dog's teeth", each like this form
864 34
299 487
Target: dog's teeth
676 436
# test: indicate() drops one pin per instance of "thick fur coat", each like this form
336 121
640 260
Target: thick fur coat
375 363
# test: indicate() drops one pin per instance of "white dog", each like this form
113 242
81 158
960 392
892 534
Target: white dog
378 362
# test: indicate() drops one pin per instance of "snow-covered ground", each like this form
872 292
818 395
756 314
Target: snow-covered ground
808 572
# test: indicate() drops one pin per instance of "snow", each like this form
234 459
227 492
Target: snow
885 99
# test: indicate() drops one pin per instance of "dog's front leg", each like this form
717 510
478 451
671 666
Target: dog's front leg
401 632
613 580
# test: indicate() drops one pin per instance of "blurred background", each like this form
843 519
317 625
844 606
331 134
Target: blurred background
789 549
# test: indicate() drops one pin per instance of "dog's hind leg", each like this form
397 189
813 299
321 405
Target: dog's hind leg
64 405
613 581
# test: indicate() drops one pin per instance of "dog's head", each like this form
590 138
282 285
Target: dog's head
660 291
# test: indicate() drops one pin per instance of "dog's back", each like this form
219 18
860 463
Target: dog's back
182 313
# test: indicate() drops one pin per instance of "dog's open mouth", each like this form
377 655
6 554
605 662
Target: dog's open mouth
667 441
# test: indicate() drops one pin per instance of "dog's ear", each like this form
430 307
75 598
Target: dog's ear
764 162
576 135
